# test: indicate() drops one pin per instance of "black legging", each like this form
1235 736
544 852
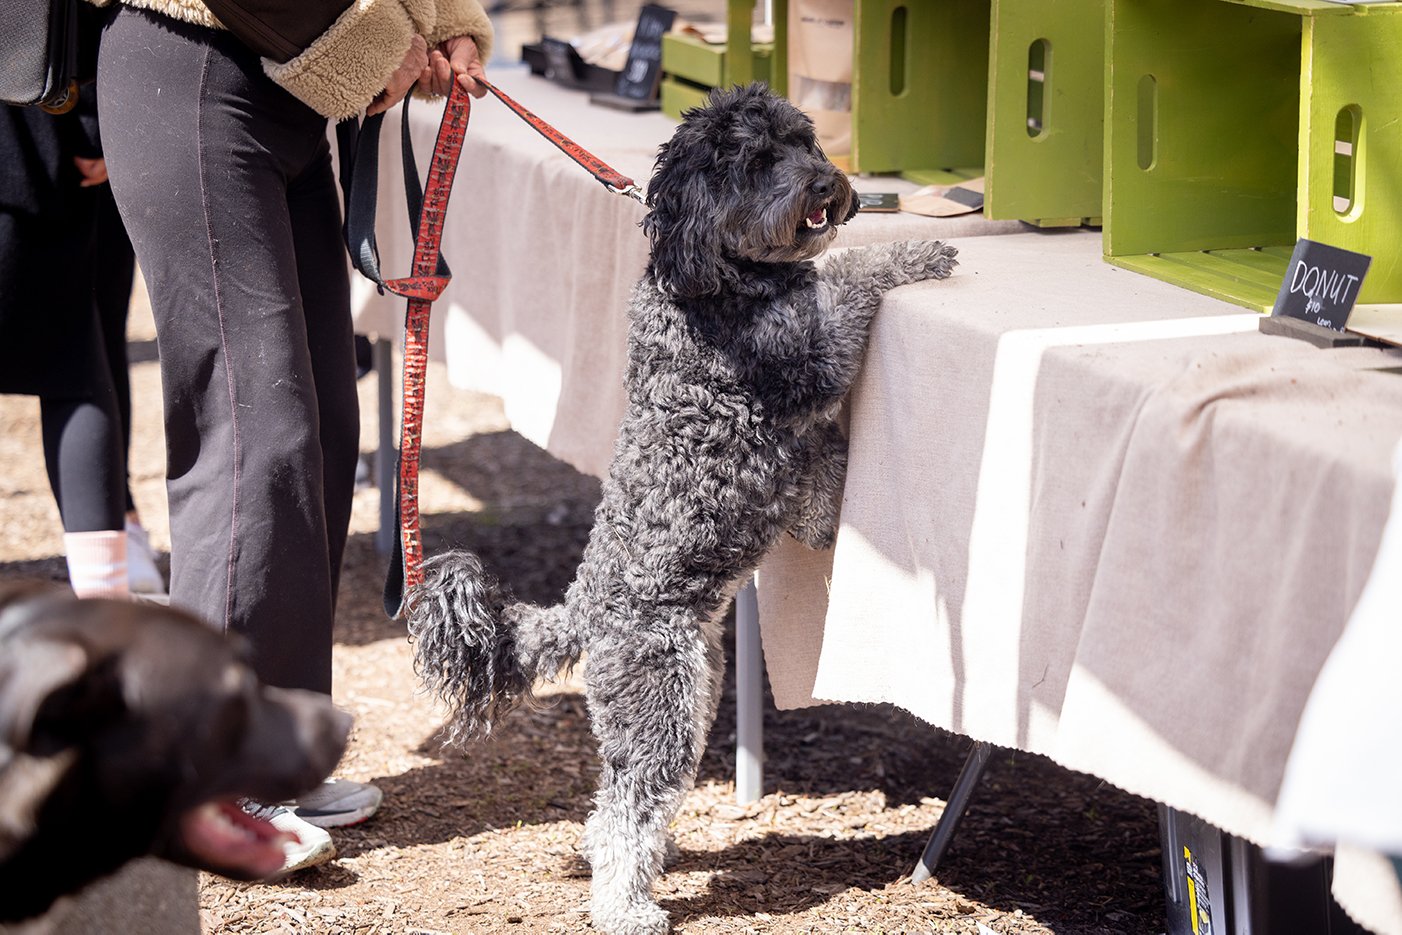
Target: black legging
114 270
83 456
87 436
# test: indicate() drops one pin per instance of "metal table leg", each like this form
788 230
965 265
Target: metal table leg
385 455
954 810
749 698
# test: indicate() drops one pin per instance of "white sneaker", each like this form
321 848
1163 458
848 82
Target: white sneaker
337 803
143 577
313 845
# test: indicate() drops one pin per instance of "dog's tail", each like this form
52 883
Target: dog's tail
478 650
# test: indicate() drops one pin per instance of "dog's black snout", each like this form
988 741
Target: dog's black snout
822 187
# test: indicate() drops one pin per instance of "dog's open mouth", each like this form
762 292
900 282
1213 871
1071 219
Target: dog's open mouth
818 220
222 836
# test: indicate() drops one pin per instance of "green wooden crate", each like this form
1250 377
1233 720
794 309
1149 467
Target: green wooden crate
1046 112
691 68
689 59
678 96
1234 127
920 88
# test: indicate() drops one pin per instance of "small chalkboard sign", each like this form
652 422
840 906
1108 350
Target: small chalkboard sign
643 72
1321 284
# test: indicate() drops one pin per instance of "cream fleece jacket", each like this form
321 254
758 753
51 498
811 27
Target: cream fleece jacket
343 69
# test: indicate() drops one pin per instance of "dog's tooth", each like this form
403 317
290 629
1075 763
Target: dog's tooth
233 827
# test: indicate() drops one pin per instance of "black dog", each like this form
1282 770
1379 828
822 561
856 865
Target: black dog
131 729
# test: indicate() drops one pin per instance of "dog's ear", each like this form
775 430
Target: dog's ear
29 674
855 205
50 696
686 259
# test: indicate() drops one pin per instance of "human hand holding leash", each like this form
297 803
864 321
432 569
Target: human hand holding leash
414 69
456 57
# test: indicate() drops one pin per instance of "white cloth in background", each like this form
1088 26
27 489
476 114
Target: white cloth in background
1343 780
1096 517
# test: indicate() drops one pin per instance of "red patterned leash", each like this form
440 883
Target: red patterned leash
422 288
429 276
613 180
426 283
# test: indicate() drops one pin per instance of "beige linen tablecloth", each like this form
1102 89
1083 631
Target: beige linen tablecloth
544 259
1096 517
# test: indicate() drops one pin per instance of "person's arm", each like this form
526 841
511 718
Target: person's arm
84 140
338 56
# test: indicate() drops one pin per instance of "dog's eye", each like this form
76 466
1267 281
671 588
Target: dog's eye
760 162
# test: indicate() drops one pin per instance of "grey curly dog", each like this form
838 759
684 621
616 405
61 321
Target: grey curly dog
740 352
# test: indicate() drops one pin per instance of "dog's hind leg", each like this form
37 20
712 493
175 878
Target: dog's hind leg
651 698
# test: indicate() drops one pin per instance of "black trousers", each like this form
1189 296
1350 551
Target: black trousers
224 182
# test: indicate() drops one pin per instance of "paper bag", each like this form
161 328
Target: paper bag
820 70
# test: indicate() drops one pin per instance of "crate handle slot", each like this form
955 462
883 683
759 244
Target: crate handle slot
1148 122
900 38
1038 79
1348 162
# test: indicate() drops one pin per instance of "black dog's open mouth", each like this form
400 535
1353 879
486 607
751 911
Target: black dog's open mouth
224 838
817 221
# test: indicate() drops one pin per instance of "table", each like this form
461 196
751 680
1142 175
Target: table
1095 517
1088 515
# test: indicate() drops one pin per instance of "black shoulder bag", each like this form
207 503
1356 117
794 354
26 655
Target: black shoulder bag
44 53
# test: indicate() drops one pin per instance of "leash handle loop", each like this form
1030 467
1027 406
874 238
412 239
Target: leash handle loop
429 276
358 146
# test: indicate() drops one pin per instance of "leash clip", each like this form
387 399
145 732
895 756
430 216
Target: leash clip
631 190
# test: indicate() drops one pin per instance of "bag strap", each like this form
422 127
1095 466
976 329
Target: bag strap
429 276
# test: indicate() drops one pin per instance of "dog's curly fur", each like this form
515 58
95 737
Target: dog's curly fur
740 352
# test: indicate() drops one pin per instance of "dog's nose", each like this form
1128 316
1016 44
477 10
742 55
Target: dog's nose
821 187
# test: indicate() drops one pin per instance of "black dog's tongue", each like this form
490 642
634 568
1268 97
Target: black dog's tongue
818 218
222 837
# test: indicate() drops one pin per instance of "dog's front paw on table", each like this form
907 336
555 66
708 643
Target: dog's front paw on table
929 259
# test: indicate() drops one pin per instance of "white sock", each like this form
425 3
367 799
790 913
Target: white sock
97 563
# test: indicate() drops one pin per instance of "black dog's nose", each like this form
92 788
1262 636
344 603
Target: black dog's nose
821 187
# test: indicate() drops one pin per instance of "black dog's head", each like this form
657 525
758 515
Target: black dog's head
130 729
741 182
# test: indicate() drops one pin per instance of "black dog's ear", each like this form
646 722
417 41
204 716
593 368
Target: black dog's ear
30 674
52 696
852 211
